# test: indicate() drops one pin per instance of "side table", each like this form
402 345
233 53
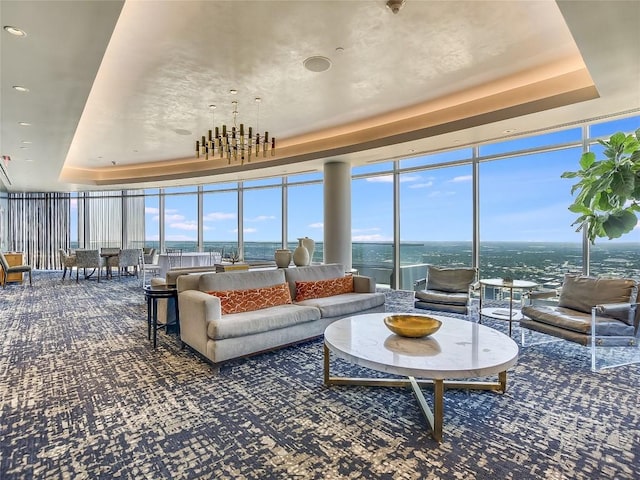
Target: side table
509 314
152 293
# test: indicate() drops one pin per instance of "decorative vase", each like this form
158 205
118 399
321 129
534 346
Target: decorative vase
283 257
310 245
301 255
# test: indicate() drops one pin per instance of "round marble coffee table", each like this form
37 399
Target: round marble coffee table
459 349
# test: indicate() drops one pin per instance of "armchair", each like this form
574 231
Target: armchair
128 257
13 269
601 313
68 262
446 289
88 259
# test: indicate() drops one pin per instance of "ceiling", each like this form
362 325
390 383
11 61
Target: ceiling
119 91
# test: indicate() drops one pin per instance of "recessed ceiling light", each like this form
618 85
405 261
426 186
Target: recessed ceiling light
20 88
26 142
317 64
22 146
15 31
28 160
24 124
233 91
509 130
182 131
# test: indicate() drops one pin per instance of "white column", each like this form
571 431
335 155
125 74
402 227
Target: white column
337 214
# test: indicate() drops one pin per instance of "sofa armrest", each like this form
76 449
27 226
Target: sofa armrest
196 310
363 284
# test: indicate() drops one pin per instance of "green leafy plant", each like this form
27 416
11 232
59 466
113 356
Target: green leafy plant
608 199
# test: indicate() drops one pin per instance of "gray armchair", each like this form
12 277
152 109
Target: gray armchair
68 262
129 257
595 312
446 289
88 259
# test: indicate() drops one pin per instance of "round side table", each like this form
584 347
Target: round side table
152 293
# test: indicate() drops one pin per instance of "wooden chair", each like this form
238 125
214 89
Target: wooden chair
14 269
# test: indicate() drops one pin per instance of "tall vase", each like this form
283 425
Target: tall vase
310 245
301 255
283 257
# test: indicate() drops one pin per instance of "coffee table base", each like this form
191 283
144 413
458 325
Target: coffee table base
435 418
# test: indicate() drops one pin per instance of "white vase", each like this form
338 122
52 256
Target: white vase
301 255
310 245
283 257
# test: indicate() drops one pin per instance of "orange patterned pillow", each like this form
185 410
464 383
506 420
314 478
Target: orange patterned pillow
238 301
323 288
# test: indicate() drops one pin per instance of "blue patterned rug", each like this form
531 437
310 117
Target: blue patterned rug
83 395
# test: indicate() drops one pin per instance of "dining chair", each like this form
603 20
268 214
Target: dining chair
129 257
12 269
149 265
89 259
68 262
174 255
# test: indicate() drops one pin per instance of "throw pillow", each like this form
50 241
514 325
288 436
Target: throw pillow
323 288
238 301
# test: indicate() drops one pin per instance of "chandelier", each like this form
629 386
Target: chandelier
235 143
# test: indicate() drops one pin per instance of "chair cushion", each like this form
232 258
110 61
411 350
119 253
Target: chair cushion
238 301
434 296
450 279
581 293
323 288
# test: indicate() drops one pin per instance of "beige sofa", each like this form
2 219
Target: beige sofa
219 336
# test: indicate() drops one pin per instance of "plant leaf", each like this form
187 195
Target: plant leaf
587 160
619 223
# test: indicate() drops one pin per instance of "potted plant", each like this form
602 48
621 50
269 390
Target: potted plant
608 199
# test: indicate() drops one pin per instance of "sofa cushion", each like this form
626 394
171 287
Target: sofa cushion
323 288
312 273
240 280
581 293
345 304
237 301
450 279
574 321
258 321
438 296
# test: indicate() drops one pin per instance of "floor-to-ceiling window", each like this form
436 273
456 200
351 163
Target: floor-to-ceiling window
436 213
181 218
525 224
262 218
372 230
305 212
220 218
152 218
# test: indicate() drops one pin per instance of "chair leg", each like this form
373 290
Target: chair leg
64 273
30 281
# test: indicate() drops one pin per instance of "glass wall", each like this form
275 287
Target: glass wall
436 220
372 229
181 219
525 228
262 222
305 216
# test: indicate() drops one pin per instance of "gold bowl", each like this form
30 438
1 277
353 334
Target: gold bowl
413 326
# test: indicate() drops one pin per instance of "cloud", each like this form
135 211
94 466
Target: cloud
461 178
316 225
371 238
192 226
168 218
422 185
216 216
246 230
73 204
260 218
389 179
151 211
363 230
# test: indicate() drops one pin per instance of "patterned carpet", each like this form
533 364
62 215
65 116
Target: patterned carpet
82 395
